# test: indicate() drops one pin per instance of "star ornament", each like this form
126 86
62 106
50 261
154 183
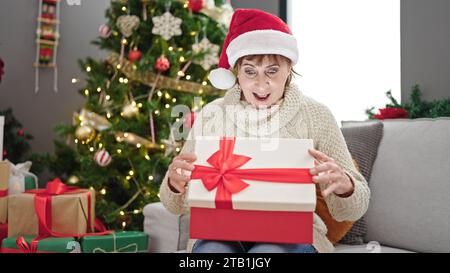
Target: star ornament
166 25
211 50
171 145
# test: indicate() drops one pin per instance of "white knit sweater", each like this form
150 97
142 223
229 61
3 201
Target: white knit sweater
298 116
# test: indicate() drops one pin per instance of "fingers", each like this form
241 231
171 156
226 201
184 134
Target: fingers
327 166
330 189
189 157
319 156
326 178
178 186
178 164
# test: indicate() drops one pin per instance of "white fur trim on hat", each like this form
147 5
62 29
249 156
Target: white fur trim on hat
222 78
266 41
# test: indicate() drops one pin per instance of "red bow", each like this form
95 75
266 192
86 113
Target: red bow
25 247
226 176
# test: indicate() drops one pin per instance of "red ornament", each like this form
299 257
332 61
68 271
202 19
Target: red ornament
189 120
196 5
162 64
391 113
21 132
134 55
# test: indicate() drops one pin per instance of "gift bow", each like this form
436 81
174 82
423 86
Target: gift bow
43 207
18 173
25 247
226 177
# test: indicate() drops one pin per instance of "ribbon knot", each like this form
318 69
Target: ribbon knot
225 174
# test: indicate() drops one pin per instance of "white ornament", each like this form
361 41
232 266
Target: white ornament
211 56
166 25
127 24
102 158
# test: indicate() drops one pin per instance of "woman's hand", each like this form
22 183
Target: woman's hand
180 171
328 172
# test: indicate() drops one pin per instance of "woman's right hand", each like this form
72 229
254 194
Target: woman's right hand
180 171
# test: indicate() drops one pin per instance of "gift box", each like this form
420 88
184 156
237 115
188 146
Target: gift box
62 211
21 179
3 232
252 189
4 178
121 241
24 244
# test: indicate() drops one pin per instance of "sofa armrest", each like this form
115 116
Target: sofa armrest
167 232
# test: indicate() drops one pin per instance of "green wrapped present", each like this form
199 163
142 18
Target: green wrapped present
30 182
47 245
120 241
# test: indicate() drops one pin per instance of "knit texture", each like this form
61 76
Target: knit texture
295 116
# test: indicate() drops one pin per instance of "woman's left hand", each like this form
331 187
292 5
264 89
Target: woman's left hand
331 174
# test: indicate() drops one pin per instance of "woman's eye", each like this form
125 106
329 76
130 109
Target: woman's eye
272 72
250 72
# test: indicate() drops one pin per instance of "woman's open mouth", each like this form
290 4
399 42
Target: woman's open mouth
261 97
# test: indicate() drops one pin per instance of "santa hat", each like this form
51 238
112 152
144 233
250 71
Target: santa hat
252 32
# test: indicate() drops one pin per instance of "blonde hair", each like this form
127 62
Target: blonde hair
259 58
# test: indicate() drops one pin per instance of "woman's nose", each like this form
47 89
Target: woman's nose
263 80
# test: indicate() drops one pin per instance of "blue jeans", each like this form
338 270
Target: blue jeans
209 246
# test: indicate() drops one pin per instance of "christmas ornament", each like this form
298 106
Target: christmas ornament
391 113
73 179
134 139
134 55
162 64
47 40
85 133
21 132
211 51
130 110
196 5
127 24
104 31
102 158
92 119
166 25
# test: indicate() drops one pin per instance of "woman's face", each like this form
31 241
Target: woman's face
263 82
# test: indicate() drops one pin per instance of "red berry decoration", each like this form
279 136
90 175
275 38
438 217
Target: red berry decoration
21 132
196 5
162 64
134 55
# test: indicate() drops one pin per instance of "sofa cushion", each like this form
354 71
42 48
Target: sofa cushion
410 186
371 247
362 140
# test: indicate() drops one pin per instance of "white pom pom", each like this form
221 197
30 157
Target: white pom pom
222 78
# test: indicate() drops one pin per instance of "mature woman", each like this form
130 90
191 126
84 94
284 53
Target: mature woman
260 51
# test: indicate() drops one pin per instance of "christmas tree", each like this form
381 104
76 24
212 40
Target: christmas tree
122 140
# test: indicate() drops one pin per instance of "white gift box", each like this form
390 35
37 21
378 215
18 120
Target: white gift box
263 211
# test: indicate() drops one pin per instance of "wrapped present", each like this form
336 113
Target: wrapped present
4 178
21 179
28 244
58 211
252 189
3 232
121 241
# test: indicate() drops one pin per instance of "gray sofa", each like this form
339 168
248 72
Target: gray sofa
410 195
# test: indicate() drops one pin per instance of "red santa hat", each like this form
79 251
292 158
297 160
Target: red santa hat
252 31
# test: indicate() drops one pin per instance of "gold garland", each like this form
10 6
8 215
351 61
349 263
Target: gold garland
149 78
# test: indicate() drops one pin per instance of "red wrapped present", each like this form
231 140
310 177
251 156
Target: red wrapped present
252 189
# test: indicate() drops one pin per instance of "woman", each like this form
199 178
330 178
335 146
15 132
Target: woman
261 51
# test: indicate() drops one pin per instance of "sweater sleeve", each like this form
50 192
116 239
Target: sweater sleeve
329 140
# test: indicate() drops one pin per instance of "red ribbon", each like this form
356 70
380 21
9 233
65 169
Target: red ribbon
226 176
3 193
43 207
24 247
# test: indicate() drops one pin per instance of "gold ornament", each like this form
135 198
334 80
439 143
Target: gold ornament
133 139
85 133
73 179
130 110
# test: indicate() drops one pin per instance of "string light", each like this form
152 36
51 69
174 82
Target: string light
156 112
86 92
147 157
150 177
124 41
108 115
139 105
162 146
136 211
124 8
193 33
180 49
99 89
174 100
121 80
131 172
125 80
170 48
167 106
122 213
103 191
180 73
76 140
125 134
204 83
188 77
138 145
124 224
119 151
159 93
108 97
74 80
88 69
177 149
181 59
200 91
118 66
167 95
91 149
128 177
100 145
